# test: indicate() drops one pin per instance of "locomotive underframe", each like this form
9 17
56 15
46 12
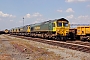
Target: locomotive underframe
84 37
43 34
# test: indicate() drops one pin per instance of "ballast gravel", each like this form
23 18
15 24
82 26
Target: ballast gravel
64 53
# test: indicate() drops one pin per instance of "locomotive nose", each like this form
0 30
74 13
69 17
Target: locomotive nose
62 31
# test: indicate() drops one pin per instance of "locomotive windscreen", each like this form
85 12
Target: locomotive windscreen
65 24
59 23
62 22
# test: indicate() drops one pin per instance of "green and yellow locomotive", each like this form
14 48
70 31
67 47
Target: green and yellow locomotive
58 29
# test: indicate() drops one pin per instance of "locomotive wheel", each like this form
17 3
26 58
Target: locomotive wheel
58 38
63 38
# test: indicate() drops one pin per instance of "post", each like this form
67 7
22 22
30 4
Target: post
23 21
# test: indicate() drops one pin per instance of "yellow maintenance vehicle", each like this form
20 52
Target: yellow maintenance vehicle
83 32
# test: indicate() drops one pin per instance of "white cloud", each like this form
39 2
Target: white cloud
36 14
33 15
27 16
82 19
85 19
76 0
59 10
69 0
69 10
88 5
5 14
33 18
70 17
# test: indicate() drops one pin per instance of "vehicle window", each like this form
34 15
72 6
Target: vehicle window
32 29
29 27
16 29
13 29
65 24
59 24
19 29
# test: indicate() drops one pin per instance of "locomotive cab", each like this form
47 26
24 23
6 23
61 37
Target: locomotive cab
62 29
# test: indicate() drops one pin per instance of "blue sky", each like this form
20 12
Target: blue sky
35 11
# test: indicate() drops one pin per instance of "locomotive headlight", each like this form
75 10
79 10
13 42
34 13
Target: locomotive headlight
88 37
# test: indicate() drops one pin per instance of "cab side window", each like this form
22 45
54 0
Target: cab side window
32 28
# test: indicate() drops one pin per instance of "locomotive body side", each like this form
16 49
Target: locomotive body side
44 29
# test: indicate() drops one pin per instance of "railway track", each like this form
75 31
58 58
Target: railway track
75 45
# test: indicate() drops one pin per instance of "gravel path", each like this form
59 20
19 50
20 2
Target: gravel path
8 52
65 54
